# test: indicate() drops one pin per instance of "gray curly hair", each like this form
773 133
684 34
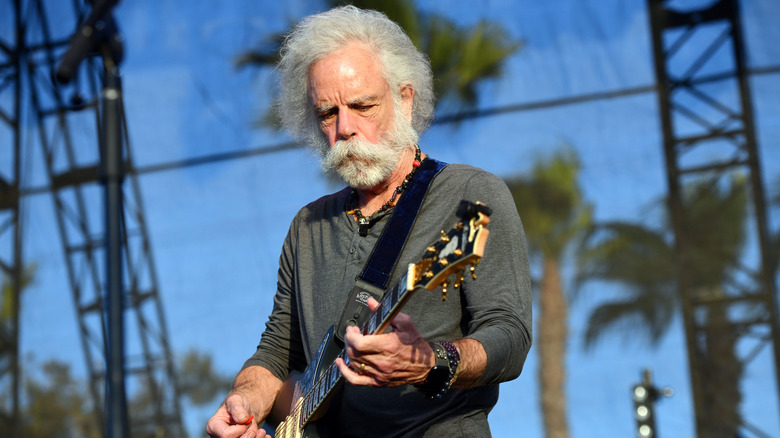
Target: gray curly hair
317 36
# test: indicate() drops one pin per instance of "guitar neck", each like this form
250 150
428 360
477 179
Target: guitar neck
391 303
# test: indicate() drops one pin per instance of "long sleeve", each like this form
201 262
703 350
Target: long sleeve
499 300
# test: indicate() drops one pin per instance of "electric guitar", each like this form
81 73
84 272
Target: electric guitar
462 246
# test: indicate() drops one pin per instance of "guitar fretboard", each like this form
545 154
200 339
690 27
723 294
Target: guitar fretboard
323 387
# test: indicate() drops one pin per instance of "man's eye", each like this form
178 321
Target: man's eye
325 115
362 108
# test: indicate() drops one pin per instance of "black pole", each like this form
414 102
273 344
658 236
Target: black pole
93 33
116 401
99 35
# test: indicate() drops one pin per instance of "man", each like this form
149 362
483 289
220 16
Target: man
353 85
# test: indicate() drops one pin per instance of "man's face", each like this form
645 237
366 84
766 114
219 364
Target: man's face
350 96
358 116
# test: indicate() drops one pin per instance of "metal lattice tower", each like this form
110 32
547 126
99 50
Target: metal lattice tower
707 122
10 226
65 123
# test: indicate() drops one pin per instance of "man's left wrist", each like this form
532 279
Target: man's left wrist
453 357
444 372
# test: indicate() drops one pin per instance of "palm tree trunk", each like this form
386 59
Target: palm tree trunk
722 373
552 334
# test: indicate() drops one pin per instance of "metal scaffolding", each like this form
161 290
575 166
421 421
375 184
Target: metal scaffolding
66 124
10 227
707 123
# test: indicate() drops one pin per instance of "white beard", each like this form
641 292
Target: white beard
365 165
360 163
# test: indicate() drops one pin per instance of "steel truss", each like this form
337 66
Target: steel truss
707 121
10 226
67 126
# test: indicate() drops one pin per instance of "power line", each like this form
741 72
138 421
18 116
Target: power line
543 104
213 158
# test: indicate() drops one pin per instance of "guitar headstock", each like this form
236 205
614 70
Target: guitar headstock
462 246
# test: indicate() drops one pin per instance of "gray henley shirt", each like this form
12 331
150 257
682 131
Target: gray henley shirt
323 253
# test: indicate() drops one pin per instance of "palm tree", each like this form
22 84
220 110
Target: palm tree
554 214
644 261
461 57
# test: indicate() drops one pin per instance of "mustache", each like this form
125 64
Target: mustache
354 149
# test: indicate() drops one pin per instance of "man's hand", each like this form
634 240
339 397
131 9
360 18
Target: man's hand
247 406
232 420
397 358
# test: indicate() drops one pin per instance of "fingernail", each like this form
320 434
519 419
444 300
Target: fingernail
249 420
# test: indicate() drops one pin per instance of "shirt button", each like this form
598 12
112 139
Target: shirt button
352 250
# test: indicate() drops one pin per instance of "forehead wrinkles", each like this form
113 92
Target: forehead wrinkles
352 74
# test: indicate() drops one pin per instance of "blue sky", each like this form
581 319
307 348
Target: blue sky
216 229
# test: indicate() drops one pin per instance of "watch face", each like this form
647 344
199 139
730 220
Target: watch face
438 375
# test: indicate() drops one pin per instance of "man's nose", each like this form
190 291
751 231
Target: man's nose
346 125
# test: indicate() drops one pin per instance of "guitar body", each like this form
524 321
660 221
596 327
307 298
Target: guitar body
298 385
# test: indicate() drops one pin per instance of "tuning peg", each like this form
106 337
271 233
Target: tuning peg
444 237
444 291
459 279
473 273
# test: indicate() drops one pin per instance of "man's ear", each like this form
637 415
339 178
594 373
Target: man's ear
407 99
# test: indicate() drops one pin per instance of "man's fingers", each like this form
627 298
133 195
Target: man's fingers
352 376
237 407
224 424
254 432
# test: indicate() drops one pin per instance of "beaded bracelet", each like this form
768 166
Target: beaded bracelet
454 358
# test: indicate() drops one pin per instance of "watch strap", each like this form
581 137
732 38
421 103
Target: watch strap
444 371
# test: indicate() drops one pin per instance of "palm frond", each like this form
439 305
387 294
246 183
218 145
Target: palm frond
551 203
626 253
640 318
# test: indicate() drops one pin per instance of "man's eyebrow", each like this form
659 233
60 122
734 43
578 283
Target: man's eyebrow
321 109
363 99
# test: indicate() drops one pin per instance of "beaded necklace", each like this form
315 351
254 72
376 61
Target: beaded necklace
364 223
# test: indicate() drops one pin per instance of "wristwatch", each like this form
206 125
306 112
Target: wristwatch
444 371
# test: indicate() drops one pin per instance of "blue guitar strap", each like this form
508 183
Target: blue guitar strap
393 239
376 273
